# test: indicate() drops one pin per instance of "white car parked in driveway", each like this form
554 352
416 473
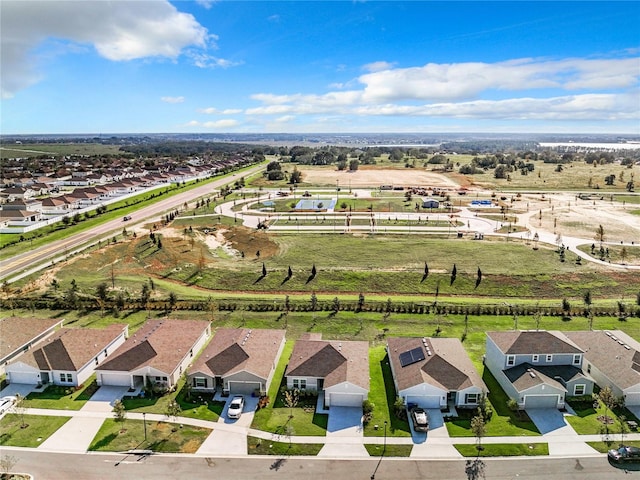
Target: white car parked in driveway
6 403
235 407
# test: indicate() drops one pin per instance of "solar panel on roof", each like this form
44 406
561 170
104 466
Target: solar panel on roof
411 356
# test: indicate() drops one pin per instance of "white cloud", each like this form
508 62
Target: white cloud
275 18
119 31
172 99
604 89
215 111
285 119
205 3
221 124
378 66
204 60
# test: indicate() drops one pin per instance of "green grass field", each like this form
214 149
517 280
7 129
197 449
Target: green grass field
503 449
161 437
37 428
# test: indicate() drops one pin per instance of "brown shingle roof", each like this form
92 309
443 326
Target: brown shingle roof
516 342
620 364
71 348
525 376
17 331
240 349
161 344
448 367
334 360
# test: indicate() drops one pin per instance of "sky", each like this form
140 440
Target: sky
138 66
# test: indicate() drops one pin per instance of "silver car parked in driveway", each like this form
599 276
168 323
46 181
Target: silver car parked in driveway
6 403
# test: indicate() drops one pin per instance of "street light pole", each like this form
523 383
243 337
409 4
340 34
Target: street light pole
144 422
384 449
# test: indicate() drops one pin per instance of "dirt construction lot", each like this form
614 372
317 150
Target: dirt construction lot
364 177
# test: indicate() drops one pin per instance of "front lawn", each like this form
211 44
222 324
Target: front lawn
38 429
62 398
590 421
259 446
376 450
503 449
161 437
503 423
382 394
304 421
604 447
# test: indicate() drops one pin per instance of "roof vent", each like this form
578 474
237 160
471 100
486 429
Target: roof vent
620 342
627 346
613 338
608 334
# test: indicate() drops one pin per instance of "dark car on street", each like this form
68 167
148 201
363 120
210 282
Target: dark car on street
420 419
625 454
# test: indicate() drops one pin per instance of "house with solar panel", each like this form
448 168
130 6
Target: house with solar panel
434 373
612 358
538 369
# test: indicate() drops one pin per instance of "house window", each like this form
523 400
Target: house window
549 358
300 383
589 368
535 358
576 359
511 360
66 377
471 398
200 382
579 389
191 353
96 360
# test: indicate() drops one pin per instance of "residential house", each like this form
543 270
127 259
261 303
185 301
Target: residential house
68 357
19 218
338 369
434 373
538 369
238 361
157 354
612 358
19 334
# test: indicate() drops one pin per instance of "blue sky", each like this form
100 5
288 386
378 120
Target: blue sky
204 66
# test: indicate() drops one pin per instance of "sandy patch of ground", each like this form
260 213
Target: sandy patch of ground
364 177
215 240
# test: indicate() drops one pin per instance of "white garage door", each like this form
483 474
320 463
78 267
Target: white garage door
541 401
346 400
115 379
632 399
243 388
29 378
424 401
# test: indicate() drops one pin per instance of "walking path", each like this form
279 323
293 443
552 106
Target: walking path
344 439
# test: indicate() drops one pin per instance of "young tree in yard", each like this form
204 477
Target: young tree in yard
624 428
606 398
173 410
314 302
102 294
478 428
454 273
360 302
119 412
20 408
623 255
290 400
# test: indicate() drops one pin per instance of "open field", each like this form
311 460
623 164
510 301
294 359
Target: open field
28 150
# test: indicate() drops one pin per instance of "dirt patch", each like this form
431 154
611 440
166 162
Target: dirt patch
374 177
217 240
250 242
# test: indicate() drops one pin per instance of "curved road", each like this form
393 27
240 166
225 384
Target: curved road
31 261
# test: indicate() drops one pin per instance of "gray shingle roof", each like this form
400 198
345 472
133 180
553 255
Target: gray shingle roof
335 361
609 354
448 367
518 342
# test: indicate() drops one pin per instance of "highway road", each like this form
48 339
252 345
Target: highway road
103 466
33 260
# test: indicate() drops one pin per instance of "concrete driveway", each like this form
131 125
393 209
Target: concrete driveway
245 420
549 421
103 399
345 421
13 389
